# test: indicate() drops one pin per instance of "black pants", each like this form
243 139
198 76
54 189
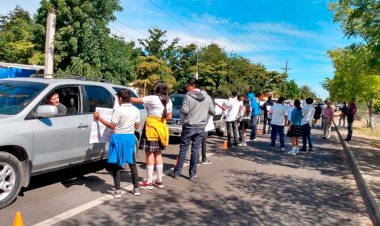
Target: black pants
232 131
204 146
266 121
306 132
134 173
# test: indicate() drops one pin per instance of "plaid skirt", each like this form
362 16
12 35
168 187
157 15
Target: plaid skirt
295 131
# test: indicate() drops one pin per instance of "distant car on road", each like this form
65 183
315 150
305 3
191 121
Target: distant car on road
175 123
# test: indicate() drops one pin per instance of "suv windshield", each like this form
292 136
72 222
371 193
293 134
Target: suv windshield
16 95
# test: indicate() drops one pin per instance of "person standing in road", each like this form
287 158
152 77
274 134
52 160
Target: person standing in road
328 117
156 132
295 128
195 109
125 120
267 120
343 112
209 126
317 114
241 99
233 108
279 113
245 122
255 113
351 112
308 113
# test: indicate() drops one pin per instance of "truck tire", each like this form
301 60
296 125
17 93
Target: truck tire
10 178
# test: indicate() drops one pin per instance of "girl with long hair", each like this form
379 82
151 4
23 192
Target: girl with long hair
156 132
295 128
245 122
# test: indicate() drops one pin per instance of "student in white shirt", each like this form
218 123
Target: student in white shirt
233 111
125 120
308 113
279 114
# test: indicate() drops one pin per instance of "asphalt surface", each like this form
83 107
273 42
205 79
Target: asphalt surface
253 185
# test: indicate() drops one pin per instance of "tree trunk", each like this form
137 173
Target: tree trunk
370 113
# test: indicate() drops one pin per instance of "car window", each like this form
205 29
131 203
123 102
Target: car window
16 95
139 106
97 96
177 100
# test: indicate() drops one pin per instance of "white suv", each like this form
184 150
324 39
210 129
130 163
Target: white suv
34 140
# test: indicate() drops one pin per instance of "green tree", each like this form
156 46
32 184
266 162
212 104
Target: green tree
213 70
184 66
17 39
81 33
360 18
353 77
292 90
151 69
157 45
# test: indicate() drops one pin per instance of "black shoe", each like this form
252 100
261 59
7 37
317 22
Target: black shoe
173 175
310 149
235 144
303 150
347 139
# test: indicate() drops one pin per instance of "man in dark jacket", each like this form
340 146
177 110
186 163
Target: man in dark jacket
351 112
195 110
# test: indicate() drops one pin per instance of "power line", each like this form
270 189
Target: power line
123 33
132 28
177 20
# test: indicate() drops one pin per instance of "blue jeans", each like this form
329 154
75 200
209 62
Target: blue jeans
280 130
254 120
266 121
349 127
194 135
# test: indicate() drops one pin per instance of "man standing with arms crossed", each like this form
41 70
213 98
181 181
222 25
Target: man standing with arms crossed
195 109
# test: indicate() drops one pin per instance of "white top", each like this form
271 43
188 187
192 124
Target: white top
278 111
308 113
125 117
154 106
233 110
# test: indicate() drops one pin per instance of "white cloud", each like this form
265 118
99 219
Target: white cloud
280 28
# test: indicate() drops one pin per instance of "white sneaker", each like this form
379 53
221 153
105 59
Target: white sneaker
283 149
242 144
291 152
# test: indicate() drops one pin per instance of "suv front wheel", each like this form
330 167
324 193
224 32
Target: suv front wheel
10 178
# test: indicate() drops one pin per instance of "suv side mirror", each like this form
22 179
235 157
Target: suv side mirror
45 111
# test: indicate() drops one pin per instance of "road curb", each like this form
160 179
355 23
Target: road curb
370 202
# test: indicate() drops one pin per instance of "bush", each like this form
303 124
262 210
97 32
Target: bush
376 107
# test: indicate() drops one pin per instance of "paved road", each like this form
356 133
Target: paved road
252 185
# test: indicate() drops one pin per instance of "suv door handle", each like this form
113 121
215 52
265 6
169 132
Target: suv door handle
81 125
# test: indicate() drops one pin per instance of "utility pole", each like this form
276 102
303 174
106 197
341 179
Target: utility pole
286 72
197 72
49 44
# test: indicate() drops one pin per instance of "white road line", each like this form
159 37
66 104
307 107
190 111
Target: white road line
92 204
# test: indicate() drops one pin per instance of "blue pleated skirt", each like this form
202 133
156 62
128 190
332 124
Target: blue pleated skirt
121 149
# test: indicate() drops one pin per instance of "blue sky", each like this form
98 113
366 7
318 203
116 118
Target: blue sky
270 32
